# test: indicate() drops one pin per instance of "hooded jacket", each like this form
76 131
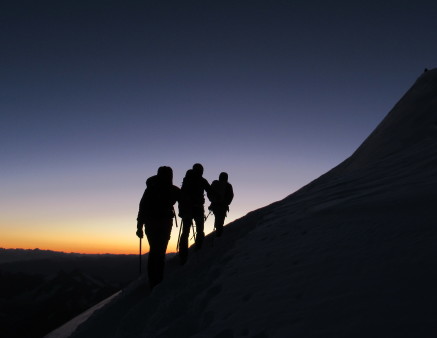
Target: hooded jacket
158 199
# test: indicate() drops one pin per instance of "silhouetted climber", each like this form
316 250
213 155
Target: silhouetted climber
221 195
191 208
156 214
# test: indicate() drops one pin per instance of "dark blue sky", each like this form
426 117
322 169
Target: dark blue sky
95 95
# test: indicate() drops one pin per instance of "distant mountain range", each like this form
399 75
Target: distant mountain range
42 289
12 255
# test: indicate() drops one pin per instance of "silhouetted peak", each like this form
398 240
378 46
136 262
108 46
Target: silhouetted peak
412 121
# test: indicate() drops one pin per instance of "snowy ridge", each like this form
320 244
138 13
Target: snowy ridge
413 120
351 254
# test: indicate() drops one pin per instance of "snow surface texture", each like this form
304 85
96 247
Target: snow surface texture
69 327
352 254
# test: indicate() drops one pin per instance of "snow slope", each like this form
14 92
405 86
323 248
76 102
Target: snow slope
352 254
69 327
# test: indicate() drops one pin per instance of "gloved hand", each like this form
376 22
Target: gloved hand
140 233
140 230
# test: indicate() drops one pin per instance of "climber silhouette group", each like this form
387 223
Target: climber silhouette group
156 213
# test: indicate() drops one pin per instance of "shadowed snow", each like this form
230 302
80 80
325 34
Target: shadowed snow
352 254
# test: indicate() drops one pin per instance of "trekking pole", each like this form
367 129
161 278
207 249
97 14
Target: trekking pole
179 237
175 217
194 231
140 255
208 215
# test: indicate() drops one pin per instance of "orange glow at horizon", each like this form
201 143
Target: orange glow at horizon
92 237
86 246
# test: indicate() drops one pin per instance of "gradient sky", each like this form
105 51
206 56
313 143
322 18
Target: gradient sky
96 95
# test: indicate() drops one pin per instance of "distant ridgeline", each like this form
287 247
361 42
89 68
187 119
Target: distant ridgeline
10 255
42 289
